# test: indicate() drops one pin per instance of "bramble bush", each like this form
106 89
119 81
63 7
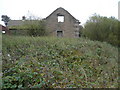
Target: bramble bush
47 62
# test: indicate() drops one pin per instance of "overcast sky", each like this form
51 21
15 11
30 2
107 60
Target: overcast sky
80 9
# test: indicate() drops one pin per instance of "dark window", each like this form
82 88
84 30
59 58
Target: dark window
59 33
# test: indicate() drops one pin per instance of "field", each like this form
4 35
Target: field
47 62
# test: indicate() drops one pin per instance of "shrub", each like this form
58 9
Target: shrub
36 28
102 29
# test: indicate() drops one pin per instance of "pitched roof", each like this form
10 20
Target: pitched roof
15 22
58 9
19 22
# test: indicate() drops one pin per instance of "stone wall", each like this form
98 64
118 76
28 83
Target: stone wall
70 26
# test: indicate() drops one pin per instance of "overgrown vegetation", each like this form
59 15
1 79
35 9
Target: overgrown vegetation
36 28
103 29
33 27
46 62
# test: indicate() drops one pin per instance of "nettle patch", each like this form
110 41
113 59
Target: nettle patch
41 62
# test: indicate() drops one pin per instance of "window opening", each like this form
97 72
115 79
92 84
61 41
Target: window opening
59 33
60 18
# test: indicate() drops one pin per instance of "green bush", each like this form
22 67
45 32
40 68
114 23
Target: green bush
102 29
46 62
36 28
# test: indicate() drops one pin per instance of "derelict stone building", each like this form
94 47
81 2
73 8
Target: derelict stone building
60 23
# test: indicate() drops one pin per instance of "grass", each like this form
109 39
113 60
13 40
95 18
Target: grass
48 62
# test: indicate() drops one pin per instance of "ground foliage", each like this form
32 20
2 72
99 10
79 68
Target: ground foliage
46 62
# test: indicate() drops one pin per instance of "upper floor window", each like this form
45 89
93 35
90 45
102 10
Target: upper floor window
61 18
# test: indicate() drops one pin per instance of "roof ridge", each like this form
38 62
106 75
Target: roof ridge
63 9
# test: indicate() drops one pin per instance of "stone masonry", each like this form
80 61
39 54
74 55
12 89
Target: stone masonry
69 27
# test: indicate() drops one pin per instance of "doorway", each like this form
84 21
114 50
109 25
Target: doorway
59 33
